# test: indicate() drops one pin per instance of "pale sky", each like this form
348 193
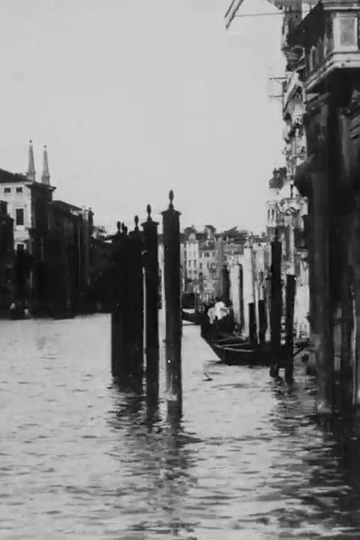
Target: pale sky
137 97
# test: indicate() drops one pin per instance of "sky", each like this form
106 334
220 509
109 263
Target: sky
137 97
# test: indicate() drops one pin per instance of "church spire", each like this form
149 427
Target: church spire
45 177
31 174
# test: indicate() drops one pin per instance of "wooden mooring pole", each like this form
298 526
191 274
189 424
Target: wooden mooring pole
172 280
117 312
276 303
225 285
134 319
289 326
262 321
241 287
151 264
252 323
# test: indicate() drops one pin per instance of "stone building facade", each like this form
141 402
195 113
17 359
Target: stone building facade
37 219
205 254
329 38
287 209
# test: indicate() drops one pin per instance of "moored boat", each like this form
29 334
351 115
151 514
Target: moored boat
191 315
233 349
63 314
247 354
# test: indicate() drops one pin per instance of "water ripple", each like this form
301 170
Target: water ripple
81 457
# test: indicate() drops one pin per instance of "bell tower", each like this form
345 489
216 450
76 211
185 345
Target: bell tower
31 173
45 177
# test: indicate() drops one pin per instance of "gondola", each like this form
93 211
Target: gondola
63 315
190 315
247 354
232 349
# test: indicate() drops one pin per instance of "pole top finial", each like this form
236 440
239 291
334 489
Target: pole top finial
136 221
148 211
171 198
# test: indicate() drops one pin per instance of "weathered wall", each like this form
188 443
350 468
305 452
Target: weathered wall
236 293
301 310
18 199
252 268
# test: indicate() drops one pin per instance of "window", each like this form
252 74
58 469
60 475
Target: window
19 190
345 32
348 33
19 216
7 190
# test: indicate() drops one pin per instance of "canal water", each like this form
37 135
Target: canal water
80 458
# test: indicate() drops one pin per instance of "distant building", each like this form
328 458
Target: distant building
206 253
208 265
101 269
54 236
26 200
274 218
67 255
6 258
293 207
191 258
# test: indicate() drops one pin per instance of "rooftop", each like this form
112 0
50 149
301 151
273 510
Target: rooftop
6 177
66 207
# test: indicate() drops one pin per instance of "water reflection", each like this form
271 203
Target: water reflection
83 457
326 453
152 385
157 456
340 474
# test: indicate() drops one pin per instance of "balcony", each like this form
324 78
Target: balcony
330 35
289 200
